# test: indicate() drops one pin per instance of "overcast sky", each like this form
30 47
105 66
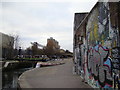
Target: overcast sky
35 21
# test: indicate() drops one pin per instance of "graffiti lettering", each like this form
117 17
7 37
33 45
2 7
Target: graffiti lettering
116 58
116 66
116 81
99 65
101 32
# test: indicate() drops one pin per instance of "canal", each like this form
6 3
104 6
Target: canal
10 78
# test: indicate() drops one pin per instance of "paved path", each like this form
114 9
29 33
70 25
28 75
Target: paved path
59 76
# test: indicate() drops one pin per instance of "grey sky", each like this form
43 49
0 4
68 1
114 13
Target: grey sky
37 21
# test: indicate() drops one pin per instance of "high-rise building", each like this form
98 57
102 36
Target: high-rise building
53 43
52 47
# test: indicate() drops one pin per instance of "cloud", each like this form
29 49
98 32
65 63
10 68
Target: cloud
81 7
50 0
37 21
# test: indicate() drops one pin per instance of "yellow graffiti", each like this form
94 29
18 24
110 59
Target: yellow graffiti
102 41
96 31
114 44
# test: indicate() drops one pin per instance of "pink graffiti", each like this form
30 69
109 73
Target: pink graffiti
99 65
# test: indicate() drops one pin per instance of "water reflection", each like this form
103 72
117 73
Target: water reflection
10 78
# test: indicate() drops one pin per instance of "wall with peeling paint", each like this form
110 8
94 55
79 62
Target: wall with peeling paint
97 46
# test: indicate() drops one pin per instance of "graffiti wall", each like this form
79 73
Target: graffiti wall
102 47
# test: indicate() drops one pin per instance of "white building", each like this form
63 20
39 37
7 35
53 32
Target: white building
6 45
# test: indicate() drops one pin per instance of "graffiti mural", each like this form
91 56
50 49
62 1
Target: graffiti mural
116 66
101 56
99 65
99 62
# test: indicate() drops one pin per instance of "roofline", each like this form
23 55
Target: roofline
87 16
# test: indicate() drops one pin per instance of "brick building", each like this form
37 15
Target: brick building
52 46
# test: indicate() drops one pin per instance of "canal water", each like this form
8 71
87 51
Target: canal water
10 78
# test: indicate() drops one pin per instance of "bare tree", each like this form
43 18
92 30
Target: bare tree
16 43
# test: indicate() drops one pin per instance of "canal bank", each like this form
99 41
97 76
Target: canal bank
10 78
11 73
58 76
11 65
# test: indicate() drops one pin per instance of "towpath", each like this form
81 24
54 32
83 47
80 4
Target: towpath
59 76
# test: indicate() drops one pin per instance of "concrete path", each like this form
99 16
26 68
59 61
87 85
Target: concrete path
59 76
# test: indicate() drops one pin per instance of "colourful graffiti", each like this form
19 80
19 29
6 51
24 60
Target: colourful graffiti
116 66
99 65
101 47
